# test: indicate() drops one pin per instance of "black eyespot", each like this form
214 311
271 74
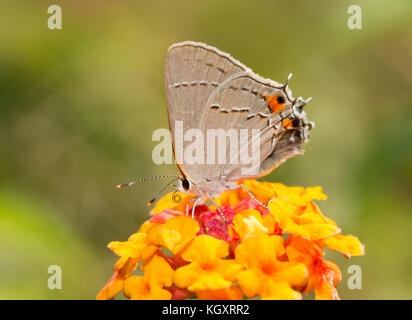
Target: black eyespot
280 99
295 122
185 184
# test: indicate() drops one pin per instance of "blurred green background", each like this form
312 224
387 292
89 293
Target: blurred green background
78 107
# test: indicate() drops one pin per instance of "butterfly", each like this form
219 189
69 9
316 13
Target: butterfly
207 89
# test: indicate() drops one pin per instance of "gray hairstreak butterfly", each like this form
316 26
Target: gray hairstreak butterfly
208 90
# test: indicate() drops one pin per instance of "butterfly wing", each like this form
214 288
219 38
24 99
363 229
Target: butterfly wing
193 71
288 145
248 101
208 89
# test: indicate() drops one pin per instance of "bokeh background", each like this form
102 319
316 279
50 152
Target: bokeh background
78 107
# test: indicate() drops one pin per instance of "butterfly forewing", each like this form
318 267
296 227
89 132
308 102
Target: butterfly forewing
192 72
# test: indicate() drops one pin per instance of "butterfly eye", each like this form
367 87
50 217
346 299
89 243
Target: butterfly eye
185 184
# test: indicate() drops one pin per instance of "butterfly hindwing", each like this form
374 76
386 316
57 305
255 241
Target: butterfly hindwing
243 102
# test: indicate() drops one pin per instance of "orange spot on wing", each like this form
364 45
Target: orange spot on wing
287 123
273 103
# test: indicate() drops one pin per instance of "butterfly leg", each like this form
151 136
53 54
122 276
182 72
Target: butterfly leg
217 206
194 206
250 194
188 205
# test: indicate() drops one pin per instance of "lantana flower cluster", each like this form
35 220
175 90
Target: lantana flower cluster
274 253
